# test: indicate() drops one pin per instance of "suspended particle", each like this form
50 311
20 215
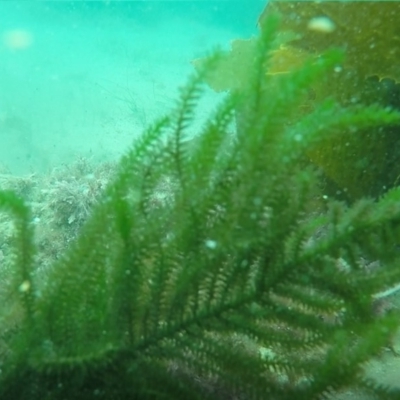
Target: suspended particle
24 286
211 244
17 39
321 24
338 69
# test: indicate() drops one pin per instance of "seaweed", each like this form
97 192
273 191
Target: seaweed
367 31
213 268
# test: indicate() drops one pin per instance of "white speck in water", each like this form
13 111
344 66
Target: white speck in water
17 39
211 244
24 286
321 24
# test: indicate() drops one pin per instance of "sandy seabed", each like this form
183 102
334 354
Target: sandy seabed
73 86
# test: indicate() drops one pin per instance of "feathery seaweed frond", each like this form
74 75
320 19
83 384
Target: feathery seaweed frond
24 251
202 273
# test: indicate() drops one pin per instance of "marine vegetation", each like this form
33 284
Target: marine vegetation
213 268
367 163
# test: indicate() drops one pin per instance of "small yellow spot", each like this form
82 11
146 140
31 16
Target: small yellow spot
321 24
24 286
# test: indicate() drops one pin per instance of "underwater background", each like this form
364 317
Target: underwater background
111 267
83 78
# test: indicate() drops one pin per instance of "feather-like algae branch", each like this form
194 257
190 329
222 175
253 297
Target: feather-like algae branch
239 284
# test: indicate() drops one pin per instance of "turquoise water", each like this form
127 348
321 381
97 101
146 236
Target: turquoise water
84 78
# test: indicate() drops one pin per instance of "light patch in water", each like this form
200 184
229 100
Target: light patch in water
17 39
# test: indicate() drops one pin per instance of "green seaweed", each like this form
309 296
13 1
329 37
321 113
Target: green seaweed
366 163
236 283
368 32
